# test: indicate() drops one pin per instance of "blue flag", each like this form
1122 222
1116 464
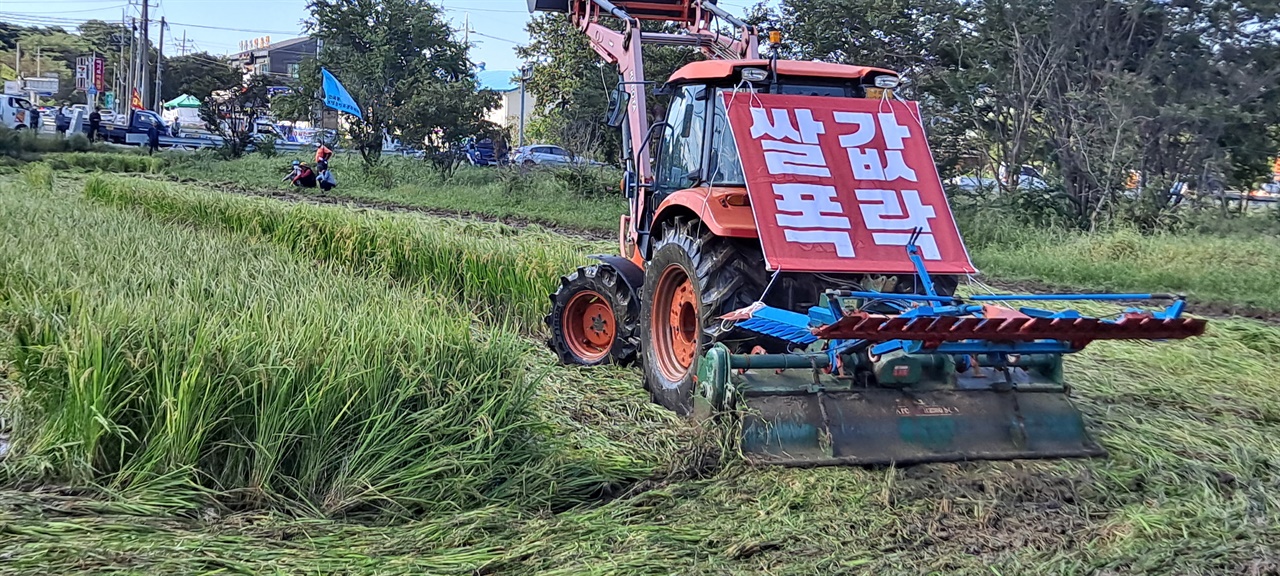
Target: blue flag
336 97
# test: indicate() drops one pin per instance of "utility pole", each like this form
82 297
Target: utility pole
93 77
31 94
182 48
466 29
17 63
159 59
127 97
146 53
524 76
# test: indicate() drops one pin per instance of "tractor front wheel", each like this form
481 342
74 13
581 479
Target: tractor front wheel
693 277
593 318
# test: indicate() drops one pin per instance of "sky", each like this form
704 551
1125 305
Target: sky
218 26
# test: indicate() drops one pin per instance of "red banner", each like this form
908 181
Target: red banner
136 101
99 74
839 184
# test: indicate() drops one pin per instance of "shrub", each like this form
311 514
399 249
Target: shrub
266 146
78 143
588 181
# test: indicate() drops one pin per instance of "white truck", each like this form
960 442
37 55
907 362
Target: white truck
17 112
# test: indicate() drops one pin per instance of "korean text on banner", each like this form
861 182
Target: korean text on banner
840 184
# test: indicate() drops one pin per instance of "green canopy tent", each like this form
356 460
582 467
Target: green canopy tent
185 110
183 101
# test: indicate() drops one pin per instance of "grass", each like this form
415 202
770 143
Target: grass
1220 270
193 366
506 275
1191 484
491 192
1227 271
110 162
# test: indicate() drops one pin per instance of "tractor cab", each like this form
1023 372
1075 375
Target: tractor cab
693 145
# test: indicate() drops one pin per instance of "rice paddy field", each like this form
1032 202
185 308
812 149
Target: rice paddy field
198 382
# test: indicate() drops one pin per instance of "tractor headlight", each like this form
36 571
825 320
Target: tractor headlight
754 74
886 81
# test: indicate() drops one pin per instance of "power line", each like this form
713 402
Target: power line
452 9
234 29
115 7
494 37
44 19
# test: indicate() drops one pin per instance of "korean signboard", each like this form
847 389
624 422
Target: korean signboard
91 73
840 184
84 72
100 73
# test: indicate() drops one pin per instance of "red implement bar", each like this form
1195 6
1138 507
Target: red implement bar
880 328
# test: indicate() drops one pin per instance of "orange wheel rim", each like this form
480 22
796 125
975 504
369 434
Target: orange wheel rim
588 326
675 323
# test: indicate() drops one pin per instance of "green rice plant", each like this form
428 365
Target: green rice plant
38 175
540 197
149 358
116 163
506 276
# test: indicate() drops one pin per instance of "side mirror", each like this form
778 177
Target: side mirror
618 102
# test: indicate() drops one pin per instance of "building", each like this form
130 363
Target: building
279 59
507 84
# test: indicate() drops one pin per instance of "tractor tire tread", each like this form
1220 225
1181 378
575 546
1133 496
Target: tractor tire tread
729 274
605 280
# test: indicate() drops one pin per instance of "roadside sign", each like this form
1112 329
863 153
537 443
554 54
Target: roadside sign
99 74
83 71
42 86
92 91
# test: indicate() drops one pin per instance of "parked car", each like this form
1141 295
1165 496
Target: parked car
1029 179
547 155
481 152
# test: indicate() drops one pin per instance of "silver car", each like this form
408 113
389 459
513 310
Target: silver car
547 155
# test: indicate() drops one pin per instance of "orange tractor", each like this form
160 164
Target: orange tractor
818 363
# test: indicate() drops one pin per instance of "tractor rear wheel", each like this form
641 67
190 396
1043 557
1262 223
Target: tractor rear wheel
593 318
693 277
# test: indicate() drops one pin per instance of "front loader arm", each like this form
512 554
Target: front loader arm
697 20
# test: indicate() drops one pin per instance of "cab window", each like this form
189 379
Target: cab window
681 152
724 167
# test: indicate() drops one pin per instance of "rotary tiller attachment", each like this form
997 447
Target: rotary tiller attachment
946 379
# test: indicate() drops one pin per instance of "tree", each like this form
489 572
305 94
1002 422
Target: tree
59 50
1096 91
198 74
400 62
231 113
